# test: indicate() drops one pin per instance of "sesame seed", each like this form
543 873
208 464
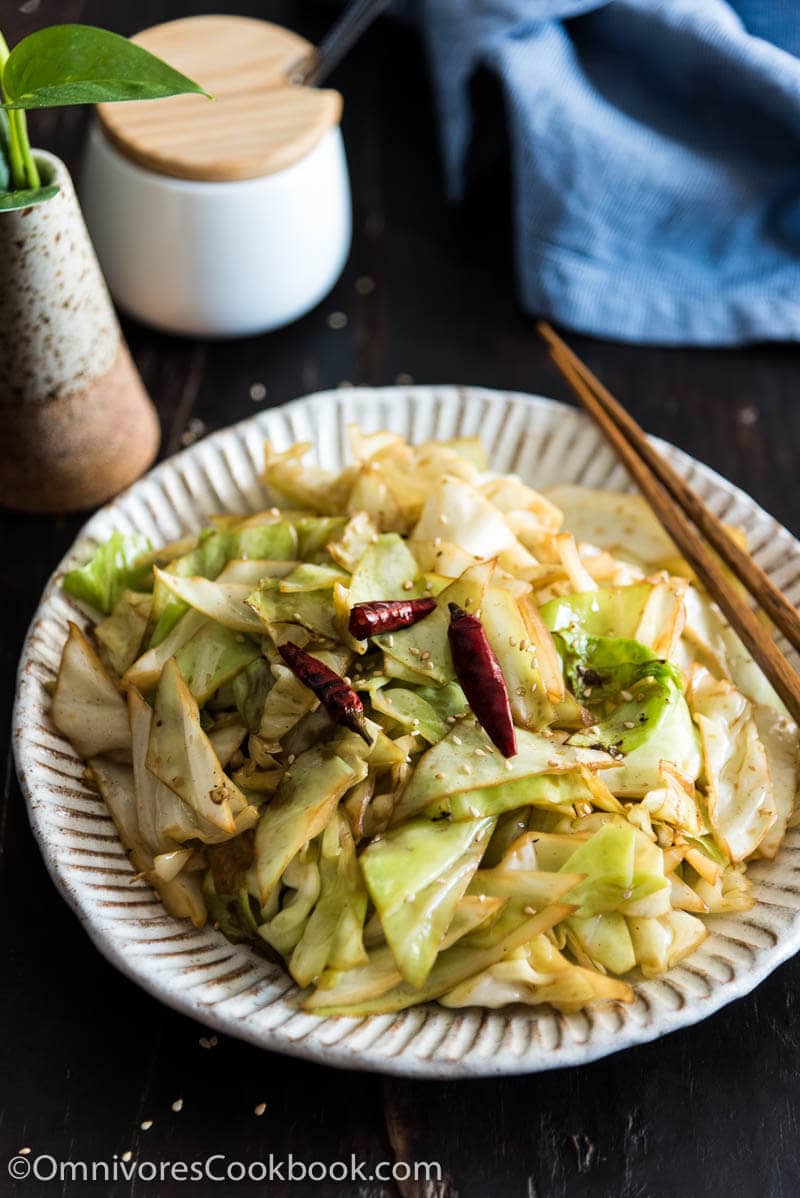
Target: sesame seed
466 769
628 723
296 616
451 719
274 511
365 285
626 695
523 645
177 1105
259 1109
257 392
414 651
480 753
439 777
509 763
23 1151
127 1155
390 641
443 519
456 740
528 910
146 1125
425 655
474 812
587 692
512 643
437 542
337 320
373 539
554 763
291 759
408 584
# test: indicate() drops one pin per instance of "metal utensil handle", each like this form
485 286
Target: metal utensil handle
338 41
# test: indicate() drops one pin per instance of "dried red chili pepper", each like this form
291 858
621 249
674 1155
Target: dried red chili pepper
387 615
336 696
478 671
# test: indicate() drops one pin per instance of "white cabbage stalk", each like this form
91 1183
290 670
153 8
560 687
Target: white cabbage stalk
181 894
223 602
622 524
87 708
180 755
740 799
540 975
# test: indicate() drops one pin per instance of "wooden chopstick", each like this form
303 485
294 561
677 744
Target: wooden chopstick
769 597
752 632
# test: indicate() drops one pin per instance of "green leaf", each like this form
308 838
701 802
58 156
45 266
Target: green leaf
79 64
111 569
10 201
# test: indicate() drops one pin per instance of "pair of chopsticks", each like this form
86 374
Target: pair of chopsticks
685 517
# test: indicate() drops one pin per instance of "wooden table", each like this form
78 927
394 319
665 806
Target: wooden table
86 1058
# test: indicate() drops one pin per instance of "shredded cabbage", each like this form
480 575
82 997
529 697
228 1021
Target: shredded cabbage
653 762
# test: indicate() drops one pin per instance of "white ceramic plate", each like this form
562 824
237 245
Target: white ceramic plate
230 988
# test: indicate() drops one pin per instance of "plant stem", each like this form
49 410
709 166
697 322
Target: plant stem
24 171
18 128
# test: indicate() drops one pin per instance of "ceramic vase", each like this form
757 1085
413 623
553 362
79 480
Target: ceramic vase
76 424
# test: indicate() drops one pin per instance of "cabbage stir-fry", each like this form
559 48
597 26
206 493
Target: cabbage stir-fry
421 732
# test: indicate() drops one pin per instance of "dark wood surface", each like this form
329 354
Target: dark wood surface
85 1057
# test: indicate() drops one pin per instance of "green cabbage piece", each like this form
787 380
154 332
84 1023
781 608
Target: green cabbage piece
608 861
415 875
603 666
250 689
312 610
605 939
111 569
305 802
507 632
469 956
341 988
608 611
423 650
386 564
276 542
650 721
120 635
411 711
212 657
333 934
315 533
466 762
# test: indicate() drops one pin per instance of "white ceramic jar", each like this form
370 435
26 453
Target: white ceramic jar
224 259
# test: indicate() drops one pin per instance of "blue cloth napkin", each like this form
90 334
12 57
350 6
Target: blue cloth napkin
655 157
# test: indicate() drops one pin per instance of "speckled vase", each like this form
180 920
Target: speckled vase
76 424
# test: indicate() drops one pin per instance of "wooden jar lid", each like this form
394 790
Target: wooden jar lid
257 124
